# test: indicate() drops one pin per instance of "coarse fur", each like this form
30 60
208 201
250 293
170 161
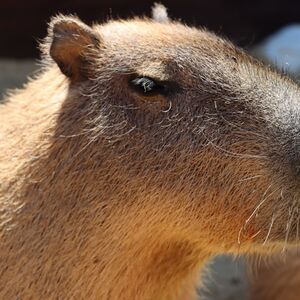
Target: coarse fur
107 193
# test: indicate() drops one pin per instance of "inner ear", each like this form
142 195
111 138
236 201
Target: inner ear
71 45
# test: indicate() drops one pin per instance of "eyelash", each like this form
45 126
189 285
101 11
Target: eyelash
148 86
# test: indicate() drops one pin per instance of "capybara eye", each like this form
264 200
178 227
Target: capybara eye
148 86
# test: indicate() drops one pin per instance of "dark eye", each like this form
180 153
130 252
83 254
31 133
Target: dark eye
148 86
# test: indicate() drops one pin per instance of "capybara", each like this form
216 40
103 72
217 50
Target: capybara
143 148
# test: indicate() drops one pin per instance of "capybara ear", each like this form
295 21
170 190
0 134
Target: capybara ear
71 42
159 13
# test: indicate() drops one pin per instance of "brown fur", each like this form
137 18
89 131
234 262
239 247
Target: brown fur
109 194
277 278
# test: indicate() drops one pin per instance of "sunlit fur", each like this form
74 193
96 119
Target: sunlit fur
108 194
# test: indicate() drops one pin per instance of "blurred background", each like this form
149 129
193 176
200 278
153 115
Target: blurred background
245 22
268 29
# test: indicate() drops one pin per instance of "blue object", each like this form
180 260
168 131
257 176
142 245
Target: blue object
283 49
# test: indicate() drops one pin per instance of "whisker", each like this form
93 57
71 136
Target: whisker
72 135
250 178
270 228
233 154
239 235
297 230
92 140
252 214
288 227
264 199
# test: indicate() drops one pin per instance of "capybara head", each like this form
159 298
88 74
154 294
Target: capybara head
144 147
177 127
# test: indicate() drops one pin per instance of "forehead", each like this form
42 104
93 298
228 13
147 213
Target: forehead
165 51
161 41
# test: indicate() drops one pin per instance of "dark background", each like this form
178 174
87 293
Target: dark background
22 23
